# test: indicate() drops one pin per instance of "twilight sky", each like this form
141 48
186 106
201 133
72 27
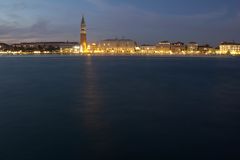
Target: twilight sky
146 21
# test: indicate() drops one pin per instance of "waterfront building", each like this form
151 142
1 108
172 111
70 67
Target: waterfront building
70 50
178 48
83 36
93 48
43 46
4 47
206 49
229 48
117 46
147 49
192 48
163 47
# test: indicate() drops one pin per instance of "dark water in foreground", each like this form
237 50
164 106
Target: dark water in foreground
72 108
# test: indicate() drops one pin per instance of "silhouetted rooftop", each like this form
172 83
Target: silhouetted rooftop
230 43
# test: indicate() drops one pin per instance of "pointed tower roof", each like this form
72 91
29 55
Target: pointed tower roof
83 20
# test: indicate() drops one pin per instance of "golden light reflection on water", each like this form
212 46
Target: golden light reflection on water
92 96
93 116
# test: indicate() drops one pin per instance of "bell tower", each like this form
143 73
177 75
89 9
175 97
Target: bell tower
83 36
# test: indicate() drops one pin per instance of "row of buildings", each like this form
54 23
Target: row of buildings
119 46
127 46
36 47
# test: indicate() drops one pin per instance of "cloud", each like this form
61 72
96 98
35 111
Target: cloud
41 30
98 3
132 22
15 5
151 26
44 20
19 5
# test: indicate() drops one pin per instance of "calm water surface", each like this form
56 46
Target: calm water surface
72 108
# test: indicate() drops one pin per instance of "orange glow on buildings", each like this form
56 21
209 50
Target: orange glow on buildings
83 36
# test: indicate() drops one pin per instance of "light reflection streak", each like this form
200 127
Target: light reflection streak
93 117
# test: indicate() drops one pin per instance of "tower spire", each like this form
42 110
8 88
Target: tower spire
83 20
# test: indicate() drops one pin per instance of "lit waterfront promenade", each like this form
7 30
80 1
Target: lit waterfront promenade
120 47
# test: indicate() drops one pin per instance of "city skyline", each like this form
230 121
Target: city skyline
146 22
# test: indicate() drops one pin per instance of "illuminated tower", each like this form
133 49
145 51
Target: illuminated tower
83 36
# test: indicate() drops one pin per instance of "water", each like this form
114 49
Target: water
71 108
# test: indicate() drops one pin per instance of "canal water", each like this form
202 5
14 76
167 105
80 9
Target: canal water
71 108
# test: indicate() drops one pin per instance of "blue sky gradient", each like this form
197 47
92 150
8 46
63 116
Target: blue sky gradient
146 21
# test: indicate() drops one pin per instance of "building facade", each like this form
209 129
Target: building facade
4 47
117 46
178 47
43 46
229 48
163 47
147 49
192 47
206 49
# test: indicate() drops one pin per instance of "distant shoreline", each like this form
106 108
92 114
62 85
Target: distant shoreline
114 55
